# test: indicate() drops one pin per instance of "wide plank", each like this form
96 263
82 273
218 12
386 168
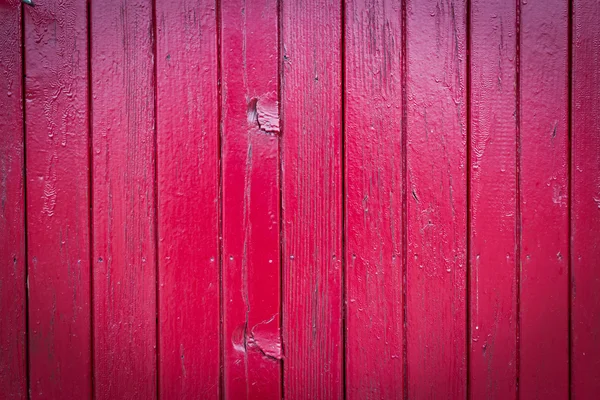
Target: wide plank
374 199
493 255
58 203
585 201
544 197
13 356
436 162
312 199
124 232
188 208
251 261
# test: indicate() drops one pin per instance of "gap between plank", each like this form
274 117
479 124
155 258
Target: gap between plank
25 222
220 198
468 201
343 187
91 192
155 144
518 194
280 182
404 205
569 189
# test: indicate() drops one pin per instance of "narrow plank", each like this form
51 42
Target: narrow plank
123 200
188 190
13 362
544 329
374 228
436 206
493 201
250 123
58 199
585 203
312 199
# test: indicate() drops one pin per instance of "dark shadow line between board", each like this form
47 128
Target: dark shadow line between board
404 129
343 254
91 193
518 232
25 219
218 48
468 229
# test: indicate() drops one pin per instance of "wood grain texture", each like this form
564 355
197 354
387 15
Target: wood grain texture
436 206
374 195
312 199
124 248
13 362
493 201
585 201
251 262
58 199
544 329
188 190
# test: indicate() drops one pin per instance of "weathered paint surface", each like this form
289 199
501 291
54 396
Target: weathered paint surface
187 122
312 199
13 379
374 199
318 199
251 262
123 171
188 187
544 198
493 253
436 160
58 223
585 201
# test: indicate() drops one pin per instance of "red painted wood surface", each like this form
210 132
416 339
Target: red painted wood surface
374 199
188 189
312 199
318 199
124 246
544 197
585 201
493 201
13 374
58 203
251 261
436 158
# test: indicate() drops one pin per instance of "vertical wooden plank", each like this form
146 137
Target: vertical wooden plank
544 329
123 200
373 125
312 199
13 363
188 190
585 203
250 123
58 199
436 205
493 201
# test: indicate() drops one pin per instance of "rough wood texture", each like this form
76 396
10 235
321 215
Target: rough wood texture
13 374
403 198
312 199
188 189
436 205
544 329
374 193
493 201
58 199
585 203
123 200
251 262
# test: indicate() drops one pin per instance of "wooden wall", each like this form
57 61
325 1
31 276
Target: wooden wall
317 199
